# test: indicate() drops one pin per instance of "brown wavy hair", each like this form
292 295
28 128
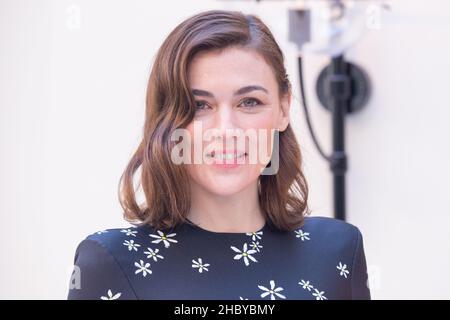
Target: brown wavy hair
171 105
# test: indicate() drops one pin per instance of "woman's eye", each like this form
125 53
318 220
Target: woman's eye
200 105
250 103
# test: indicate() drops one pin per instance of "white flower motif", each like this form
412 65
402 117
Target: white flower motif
129 232
131 245
142 267
166 239
256 246
102 231
200 265
240 298
319 295
306 285
246 254
153 254
111 296
302 235
255 235
272 291
343 268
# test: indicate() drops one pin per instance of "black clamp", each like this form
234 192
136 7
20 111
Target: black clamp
338 162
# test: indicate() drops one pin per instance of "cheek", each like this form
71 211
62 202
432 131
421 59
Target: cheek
263 124
262 120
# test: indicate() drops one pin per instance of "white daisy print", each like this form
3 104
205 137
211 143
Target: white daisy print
200 265
255 235
110 296
272 291
245 254
240 298
256 246
166 239
302 235
142 267
306 285
343 268
153 254
102 231
319 295
131 245
129 232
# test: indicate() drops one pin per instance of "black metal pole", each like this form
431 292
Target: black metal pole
339 96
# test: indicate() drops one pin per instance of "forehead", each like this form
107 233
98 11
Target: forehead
230 68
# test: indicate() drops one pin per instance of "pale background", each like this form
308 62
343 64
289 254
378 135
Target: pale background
71 112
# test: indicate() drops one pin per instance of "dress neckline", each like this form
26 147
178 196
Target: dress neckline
218 233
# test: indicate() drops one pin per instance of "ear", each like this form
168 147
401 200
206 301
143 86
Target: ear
284 118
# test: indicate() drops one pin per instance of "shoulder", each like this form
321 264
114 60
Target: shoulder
338 247
101 263
336 235
123 245
330 226
114 240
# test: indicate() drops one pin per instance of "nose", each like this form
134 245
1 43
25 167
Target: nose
225 123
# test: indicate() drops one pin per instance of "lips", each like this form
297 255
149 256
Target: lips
227 155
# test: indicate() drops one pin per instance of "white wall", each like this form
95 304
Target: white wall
71 111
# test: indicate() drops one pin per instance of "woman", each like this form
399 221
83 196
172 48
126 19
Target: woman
216 223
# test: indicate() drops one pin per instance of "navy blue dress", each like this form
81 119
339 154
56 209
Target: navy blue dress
322 260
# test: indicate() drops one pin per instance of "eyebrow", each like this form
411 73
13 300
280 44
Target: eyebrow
243 90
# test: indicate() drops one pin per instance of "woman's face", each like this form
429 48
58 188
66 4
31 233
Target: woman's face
237 99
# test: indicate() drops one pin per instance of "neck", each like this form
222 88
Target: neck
239 212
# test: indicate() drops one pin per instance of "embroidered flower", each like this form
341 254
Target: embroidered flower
142 267
153 254
302 235
319 295
343 268
131 245
256 246
111 296
200 265
272 291
129 232
245 254
166 239
306 285
255 235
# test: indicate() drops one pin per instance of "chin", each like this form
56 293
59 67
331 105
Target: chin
224 191
225 184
